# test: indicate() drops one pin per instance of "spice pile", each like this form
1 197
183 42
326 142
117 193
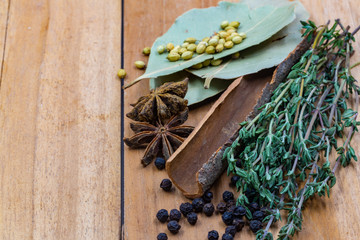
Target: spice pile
224 39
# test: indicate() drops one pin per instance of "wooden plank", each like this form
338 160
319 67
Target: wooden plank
59 113
334 218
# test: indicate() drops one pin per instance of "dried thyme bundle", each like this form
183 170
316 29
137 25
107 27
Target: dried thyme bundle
288 144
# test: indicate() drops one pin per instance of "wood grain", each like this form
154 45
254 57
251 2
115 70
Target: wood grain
334 218
60 121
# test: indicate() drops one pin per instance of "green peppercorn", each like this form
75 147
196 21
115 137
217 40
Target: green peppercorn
219 48
228 39
216 62
160 49
140 64
242 35
200 48
206 63
121 73
221 41
182 50
236 39
228 44
185 44
206 39
235 55
191 47
197 66
224 24
213 41
173 57
175 49
224 34
234 24
190 40
230 27
210 49
187 55
169 47
146 51
231 30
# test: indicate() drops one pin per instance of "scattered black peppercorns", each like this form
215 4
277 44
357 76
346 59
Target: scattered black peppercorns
230 205
255 225
173 227
239 211
234 180
175 215
221 207
208 196
208 209
231 230
238 163
258 215
160 163
186 208
162 215
227 218
166 185
227 196
192 218
213 235
198 204
239 224
162 236
227 236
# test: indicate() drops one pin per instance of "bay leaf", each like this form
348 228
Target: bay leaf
259 24
196 92
265 55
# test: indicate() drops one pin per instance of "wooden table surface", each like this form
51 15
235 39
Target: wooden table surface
60 115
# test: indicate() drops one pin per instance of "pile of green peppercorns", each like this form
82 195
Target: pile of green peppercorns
219 41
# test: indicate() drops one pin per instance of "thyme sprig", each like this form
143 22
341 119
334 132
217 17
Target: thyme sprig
288 144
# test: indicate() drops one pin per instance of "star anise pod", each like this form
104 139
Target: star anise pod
162 103
162 137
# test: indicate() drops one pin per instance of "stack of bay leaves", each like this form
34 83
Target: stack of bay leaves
273 30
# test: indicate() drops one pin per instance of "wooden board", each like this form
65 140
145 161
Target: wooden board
334 218
60 119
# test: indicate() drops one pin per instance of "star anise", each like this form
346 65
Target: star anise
162 103
162 137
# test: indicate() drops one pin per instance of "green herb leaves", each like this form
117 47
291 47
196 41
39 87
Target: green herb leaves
284 144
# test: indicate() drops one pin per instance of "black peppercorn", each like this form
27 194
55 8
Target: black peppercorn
255 225
254 206
239 224
208 209
162 215
234 180
227 196
173 227
166 185
231 230
162 236
227 236
238 163
160 163
213 235
230 205
221 207
258 215
192 218
186 208
250 194
208 196
227 218
198 204
175 215
239 211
